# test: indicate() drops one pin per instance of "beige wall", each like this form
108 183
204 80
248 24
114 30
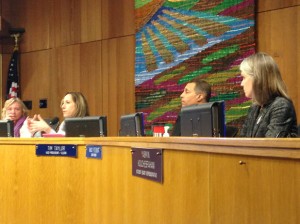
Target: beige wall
88 46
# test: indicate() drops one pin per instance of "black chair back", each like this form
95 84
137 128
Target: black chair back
231 131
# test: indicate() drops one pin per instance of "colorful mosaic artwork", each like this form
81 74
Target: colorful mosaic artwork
180 40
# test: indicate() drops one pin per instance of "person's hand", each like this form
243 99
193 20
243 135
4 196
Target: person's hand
24 131
37 123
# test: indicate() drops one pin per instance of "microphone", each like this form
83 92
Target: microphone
51 122
54 121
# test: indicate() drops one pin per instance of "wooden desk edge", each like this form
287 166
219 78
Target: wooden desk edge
265 147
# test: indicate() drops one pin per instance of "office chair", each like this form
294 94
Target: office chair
231 131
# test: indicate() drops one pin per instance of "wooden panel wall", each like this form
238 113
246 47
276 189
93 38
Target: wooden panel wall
77 45
267 5
278 35
89 46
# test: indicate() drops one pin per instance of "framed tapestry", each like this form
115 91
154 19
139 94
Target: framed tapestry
178 41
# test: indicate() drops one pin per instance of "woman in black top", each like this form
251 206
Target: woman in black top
272 113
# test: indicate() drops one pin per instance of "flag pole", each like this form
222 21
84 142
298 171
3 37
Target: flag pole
13 85
16 34
16 37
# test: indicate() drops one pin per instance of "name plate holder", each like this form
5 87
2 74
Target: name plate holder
94 151
68 150
147 163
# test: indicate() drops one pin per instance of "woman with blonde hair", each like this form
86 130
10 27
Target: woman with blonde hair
272 113
14 109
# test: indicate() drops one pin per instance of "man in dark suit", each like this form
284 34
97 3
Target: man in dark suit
195 92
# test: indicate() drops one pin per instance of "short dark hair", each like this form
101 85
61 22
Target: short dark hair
202 86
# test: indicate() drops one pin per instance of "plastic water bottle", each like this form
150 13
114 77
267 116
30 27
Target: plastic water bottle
166 133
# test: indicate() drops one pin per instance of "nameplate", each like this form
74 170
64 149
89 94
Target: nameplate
56 150
147 163
94 151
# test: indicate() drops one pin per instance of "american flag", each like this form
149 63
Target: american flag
12 89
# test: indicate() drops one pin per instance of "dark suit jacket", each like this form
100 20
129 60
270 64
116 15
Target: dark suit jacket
177 127
276 119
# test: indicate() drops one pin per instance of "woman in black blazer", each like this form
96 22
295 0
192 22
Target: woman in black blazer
272 113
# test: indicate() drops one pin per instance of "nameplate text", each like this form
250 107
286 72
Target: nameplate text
56 150
94 151
147 163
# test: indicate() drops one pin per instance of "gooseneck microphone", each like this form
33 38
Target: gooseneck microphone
54 121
